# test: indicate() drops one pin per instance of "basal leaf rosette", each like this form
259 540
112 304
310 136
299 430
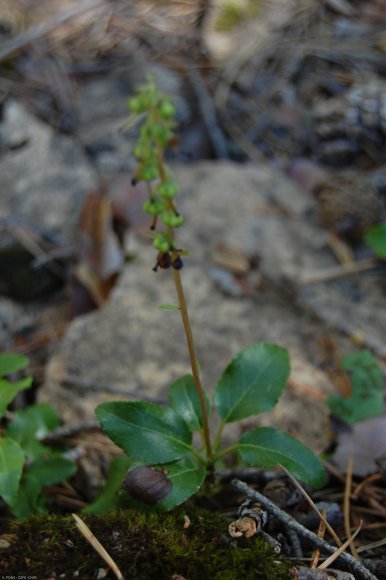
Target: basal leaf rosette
147 432
267 447
184 399
252 383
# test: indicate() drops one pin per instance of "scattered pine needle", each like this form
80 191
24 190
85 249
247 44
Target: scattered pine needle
340 550
372 546
321 531
361 486
87 533
313 506
346 505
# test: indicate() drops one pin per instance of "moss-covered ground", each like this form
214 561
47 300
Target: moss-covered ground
144 546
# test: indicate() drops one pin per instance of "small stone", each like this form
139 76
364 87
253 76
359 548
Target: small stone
6 540
186 521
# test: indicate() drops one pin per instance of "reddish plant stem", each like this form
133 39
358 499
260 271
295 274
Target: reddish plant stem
193 359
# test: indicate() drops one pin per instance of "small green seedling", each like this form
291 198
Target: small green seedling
368 397
158 440
26 464
375 237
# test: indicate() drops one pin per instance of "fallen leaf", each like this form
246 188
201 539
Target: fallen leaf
365 442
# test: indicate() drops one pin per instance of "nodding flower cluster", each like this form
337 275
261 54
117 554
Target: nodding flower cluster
165 260
154 137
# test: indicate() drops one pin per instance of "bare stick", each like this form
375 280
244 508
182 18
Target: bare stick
291 523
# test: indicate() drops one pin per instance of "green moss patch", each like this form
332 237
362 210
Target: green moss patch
142 545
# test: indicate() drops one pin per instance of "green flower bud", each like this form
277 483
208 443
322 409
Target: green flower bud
137 104
143 152
157 130
167 218
167 189
177 221
172 219
162 243
166 109
148 172
153 206
150 98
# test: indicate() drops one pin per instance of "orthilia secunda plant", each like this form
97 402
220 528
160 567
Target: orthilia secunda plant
164 466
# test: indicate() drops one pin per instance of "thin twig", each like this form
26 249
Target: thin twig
291 523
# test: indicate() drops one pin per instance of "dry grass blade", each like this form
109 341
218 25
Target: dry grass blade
346 505
340 550
87 533
313 506
321 531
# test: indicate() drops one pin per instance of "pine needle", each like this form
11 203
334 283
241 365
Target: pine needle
95 543
341 549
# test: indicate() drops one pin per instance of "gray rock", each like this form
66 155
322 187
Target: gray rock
44 175
134 349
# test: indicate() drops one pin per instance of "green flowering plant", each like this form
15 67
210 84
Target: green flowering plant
165 466
27 464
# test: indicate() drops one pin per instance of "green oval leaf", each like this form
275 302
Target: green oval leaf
11 468
9 390
184 399
30 499
11 363
376 239
32 424
187 476
108 499
367 397
267 447
52 469
252 383
147 432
